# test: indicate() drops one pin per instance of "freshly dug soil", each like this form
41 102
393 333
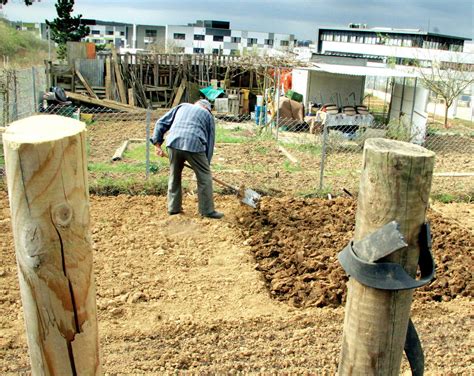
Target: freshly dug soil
182 294
296 242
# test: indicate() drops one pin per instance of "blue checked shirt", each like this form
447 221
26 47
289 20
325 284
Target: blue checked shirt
191 128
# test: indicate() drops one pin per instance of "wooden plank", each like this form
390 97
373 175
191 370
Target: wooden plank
287 154
118 77
131 97
179 93
86 84
376 321
104 103
108 79
118 155
47 180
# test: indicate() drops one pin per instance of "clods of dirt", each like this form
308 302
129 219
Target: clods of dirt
296 241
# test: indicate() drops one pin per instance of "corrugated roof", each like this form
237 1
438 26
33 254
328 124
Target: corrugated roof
357 70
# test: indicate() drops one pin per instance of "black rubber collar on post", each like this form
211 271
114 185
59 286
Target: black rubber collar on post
388 275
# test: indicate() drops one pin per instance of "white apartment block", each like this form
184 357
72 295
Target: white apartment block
401 45
216 37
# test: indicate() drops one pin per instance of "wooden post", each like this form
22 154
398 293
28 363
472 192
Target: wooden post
45 159
395 185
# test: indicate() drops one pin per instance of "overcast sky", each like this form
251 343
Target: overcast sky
299 17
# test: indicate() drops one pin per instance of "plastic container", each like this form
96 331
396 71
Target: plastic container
260 112
259 100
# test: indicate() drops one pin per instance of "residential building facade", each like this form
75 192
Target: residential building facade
106 32
217 37
401 46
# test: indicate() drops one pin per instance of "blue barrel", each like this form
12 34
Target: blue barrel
260 111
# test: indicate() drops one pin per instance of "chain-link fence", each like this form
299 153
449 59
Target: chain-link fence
271 152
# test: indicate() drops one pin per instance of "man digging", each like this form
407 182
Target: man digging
190 139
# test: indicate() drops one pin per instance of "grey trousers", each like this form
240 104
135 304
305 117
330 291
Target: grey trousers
200 165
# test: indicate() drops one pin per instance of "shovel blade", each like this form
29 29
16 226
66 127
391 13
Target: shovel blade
251 198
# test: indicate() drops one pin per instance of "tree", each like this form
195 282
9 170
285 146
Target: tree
447 80
66 28
27 2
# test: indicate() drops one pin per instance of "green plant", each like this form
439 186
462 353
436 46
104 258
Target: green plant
400 129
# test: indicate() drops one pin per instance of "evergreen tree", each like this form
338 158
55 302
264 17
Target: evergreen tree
65 27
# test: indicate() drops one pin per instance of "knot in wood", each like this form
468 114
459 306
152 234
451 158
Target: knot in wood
62 214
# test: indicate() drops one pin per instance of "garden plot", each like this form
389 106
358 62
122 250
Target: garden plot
183 293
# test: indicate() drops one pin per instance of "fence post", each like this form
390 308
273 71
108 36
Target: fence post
323 156
147 142
278 103
45 158
33 87
395 185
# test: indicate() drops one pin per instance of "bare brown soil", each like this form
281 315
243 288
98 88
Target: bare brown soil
296 242
185 294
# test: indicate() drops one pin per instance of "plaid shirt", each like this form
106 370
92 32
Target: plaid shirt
191 128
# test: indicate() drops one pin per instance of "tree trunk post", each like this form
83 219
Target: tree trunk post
395 185
46 170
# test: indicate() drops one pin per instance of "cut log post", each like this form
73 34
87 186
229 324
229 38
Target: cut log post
118 155
46 166
395 185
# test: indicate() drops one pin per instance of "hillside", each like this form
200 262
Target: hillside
21 48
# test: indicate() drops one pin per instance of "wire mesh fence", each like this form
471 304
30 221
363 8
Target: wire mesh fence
274 153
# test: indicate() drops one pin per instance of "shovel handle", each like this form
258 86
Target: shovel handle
217 180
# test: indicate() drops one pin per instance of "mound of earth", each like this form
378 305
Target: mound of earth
296 242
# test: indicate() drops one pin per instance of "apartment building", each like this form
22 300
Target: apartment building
107 32
402 45
210 36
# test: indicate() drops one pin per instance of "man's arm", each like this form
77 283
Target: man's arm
211 138
162 126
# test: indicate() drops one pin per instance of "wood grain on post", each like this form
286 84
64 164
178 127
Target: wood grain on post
395 185
46 172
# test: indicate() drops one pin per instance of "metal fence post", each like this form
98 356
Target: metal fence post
33 79
278 103
323 157
147 141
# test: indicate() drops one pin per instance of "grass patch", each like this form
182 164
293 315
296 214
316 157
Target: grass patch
291 167
259 149
448 198
117 167
108 186
316 193
229 136
312 149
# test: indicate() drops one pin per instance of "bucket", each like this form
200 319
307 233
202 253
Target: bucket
259 100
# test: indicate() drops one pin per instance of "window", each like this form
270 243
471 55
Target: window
110 32
251 41
151 33
198 50
284 43
198 37
95 32
218 38
215 51
269 42
122 33
179 36
235 39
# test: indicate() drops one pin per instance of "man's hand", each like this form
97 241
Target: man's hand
159 151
